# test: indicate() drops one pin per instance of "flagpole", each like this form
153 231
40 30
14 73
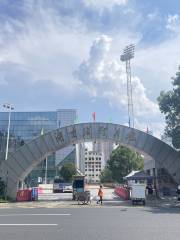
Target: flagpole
46 171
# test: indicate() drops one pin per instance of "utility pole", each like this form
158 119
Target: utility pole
128 54
9 107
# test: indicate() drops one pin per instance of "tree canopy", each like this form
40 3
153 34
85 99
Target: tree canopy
67 171
122 161
106 176
169 104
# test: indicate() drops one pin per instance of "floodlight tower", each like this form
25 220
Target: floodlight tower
127 55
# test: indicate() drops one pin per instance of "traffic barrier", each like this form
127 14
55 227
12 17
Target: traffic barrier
122 192
40 190
34 194
45 188
23 195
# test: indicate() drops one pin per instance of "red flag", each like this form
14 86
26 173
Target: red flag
94 116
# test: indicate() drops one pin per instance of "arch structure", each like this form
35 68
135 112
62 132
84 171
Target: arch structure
21 162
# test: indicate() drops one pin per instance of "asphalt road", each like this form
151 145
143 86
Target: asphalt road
90 223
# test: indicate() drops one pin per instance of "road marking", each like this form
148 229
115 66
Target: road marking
28 224
35 214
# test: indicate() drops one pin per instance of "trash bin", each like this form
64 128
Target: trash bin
34 194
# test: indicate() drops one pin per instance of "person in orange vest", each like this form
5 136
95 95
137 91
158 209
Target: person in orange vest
100 194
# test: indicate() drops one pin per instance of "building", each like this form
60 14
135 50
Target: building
103 148
93 166
28 125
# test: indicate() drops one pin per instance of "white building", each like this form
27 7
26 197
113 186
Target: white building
105 148
93 166
101 148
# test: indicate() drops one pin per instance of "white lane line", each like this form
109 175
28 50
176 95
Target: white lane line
35 214
28 224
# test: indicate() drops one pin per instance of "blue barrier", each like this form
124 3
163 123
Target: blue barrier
34 194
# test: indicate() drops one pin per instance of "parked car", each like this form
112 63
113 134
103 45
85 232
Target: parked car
60 185
67 187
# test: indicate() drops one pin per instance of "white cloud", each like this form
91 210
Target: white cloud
173 22
44 45
154 15
158 63
105 78
104 3
155 127
41 51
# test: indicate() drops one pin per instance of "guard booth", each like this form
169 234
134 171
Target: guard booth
137 178
78 185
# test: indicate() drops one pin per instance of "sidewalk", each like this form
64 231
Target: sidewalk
165 201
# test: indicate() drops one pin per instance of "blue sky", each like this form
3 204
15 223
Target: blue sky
65 54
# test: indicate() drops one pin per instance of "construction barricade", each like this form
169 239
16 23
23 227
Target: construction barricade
122 192
23 195
34 194
27 195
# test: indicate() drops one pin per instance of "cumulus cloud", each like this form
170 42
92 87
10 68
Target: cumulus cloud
105 78
46 41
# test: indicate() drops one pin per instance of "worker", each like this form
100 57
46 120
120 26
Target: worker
100 194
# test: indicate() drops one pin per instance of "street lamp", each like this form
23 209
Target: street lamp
9 107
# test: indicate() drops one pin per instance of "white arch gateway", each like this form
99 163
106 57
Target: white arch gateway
20 163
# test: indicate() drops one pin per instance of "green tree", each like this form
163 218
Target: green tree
67 171
122 161
169 104
106 176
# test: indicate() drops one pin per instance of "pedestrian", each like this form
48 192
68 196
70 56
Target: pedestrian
100 194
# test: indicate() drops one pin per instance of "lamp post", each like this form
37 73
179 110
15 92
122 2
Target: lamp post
9 107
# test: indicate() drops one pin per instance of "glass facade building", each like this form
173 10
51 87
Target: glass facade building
28 125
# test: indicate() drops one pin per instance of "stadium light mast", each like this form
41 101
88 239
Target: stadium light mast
128 54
